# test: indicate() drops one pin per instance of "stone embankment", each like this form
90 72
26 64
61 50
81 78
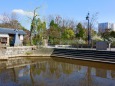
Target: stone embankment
15 51
32 51
90 55
24 51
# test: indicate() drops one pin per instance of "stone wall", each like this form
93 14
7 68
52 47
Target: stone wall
15 51
24 51
42 52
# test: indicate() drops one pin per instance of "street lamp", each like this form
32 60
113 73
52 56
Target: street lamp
89 36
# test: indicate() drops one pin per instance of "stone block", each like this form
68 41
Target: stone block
101 45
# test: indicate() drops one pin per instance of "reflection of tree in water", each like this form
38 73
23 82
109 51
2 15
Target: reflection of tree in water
53 73
78 67
87 79
58 71
113 74
67 68
31 75
53 67
48 70
57 68
101 73
37 69
34 69
52 70
15 76
92 80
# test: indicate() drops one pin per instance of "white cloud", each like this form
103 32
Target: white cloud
22 12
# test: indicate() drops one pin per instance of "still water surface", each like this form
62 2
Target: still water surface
58 72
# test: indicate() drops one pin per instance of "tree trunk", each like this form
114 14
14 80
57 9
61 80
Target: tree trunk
31 41
110 46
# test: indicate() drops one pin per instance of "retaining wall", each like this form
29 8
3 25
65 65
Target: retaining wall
91 55
15 51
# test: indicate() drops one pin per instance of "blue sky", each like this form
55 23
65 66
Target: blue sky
72 9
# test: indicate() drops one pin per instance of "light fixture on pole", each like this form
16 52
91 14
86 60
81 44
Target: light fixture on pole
89 36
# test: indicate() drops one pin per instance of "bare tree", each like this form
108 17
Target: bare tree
5 18
14 21
58 20
9 21
93 22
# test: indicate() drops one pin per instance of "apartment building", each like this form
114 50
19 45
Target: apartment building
103 27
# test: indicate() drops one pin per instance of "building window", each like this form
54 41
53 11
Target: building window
3 40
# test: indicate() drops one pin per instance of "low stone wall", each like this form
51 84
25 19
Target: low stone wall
15 51
42 52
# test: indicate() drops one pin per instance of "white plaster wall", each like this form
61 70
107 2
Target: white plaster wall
4 35
21 37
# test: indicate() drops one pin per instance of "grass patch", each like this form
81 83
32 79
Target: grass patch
28 53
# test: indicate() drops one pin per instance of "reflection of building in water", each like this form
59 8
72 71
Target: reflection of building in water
113 74
101 73
9 75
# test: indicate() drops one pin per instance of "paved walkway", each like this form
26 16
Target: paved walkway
108 49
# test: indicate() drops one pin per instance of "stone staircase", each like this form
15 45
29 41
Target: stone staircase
91 55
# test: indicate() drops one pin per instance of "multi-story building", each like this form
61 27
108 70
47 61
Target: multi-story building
103 27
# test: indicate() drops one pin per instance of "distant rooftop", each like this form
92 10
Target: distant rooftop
11 31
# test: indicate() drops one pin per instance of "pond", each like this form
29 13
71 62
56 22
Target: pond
56 72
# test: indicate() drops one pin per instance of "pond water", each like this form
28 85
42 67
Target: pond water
57 72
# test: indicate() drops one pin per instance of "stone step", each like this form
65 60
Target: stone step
92 52
73 53
83 57
87 51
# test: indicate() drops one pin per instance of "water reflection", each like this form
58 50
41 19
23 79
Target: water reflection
59 72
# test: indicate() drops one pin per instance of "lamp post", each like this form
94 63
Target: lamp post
89 36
